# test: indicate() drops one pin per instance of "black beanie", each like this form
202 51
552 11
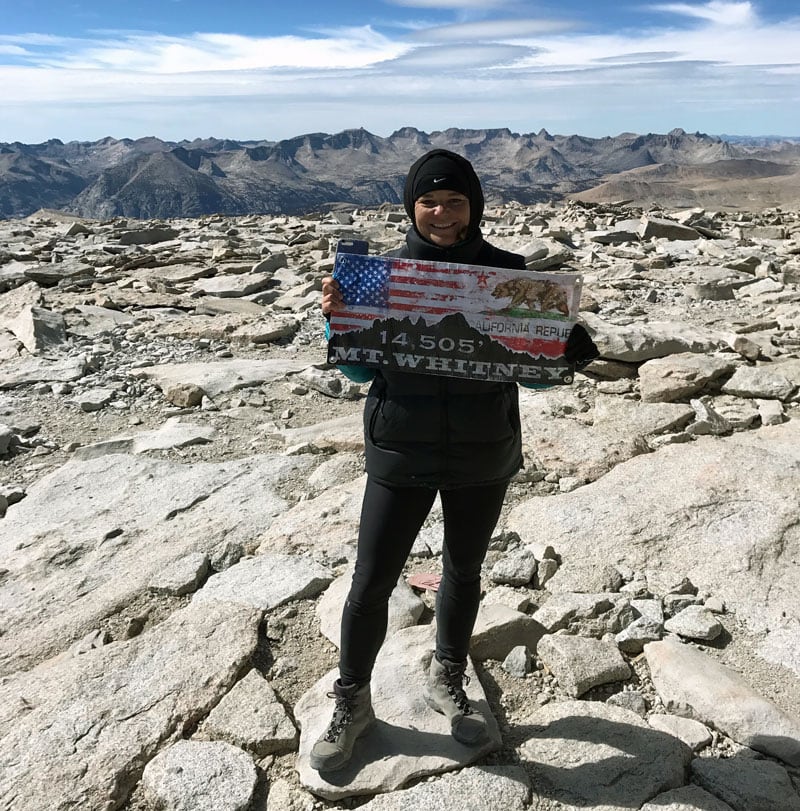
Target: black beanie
456 174
440 172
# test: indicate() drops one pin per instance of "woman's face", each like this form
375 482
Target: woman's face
442 216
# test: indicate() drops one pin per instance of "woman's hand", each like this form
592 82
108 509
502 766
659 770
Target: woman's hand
331 296
580 349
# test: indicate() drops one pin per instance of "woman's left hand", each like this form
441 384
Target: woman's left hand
331 296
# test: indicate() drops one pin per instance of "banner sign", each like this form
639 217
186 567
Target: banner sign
454 320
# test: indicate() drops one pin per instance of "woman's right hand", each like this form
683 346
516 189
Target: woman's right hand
331 296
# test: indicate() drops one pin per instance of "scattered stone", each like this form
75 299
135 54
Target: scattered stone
201 776
561 610
147 235
680 376
518 662
185 395
544 572
515 569
580 663
631 700
635 636
659 228
771 412
694 622
172 434
499 629
634 487
694 734
94 399
182 576
517 600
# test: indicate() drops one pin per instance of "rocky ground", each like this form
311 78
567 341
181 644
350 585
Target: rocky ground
180 485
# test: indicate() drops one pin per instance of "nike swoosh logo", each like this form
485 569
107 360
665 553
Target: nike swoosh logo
439 179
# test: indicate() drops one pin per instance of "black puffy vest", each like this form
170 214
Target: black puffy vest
443 432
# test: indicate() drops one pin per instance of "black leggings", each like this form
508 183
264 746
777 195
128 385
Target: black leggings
391 517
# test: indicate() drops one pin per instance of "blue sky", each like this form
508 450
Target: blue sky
180 69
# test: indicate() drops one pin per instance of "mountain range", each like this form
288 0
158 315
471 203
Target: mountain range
149 178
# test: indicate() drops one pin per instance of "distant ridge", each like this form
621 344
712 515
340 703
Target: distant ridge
149 178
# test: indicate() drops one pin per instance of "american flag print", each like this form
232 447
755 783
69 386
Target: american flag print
384 291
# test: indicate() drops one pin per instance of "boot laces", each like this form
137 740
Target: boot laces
454 677
342 715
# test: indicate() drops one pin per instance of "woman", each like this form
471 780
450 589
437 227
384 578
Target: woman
424 435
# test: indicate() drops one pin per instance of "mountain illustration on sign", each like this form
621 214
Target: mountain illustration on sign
454 338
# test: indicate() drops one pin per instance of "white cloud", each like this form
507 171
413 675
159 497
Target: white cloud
356 47
479 5
462 59
491 30
640 56
718 12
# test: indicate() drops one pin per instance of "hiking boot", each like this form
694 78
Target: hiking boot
445 694
352 715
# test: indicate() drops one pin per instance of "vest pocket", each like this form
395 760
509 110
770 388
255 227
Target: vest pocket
400 420
482 418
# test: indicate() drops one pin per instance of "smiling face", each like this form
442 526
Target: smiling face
442 216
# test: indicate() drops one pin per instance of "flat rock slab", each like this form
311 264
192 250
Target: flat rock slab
405 608
341 434
688 798
642 419
337 508
691 683
89 538
568 447
679 376
201 776
76 733
480 788
172 434
585 754
408 741
266 581
227 286
217 377
644 341
251 717
747 784
695 508
26 370
38 329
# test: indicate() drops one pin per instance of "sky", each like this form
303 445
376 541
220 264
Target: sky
256 70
